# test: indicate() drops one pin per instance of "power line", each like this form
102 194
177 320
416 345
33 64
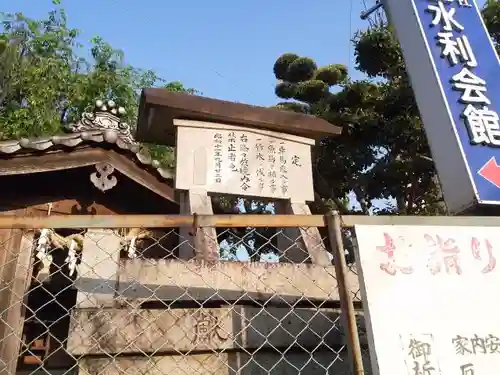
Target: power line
349 48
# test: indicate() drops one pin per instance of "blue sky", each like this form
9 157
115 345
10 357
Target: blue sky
226 49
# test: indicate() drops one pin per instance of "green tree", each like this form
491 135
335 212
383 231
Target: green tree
491 15
45 82
383 151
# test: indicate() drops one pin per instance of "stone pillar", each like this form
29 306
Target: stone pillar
98 272
300 244
203 244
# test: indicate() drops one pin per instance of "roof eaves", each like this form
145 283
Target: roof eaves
101 126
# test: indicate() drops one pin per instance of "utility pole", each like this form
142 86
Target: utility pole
367 13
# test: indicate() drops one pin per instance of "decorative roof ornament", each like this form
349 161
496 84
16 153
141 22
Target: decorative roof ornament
103 125
106 118
103 178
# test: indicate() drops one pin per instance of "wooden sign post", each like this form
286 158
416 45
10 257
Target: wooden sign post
234 149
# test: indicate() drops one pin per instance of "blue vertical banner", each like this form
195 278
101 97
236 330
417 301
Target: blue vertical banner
455 73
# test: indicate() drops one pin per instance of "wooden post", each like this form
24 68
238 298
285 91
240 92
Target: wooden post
300 244
197 242
348 312
16 260
98 272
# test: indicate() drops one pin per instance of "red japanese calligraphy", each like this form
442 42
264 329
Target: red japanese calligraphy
444 252
391 266
477 246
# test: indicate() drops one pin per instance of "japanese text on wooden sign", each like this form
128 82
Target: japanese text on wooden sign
241 161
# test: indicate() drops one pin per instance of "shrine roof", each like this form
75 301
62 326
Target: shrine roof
159 107
87 142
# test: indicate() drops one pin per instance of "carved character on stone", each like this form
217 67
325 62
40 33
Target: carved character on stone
208 328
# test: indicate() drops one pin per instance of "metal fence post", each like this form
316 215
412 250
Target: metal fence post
341 270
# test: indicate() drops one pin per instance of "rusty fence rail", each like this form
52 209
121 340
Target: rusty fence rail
138 294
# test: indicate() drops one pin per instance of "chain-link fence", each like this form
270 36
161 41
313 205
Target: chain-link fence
145 295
